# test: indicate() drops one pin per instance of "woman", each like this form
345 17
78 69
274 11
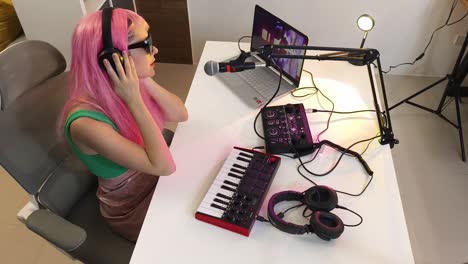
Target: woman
113 120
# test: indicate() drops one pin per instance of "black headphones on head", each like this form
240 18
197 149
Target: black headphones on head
320 200
108 48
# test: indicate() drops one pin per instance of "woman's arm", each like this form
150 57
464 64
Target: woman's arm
154 157
173 108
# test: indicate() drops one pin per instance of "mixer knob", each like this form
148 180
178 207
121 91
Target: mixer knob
270 114
273 131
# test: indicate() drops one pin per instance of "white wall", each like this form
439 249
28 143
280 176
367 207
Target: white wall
402 30
50 21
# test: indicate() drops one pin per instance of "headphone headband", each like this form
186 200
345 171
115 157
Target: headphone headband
320 200
108 47
107 28
277 221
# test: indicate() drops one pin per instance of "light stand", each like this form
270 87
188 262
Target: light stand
365 56
453 89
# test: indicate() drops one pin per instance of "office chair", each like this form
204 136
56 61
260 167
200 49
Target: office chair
63 207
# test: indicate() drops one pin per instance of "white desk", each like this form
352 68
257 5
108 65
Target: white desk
218 121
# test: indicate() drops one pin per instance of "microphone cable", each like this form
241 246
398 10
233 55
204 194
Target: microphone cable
238 42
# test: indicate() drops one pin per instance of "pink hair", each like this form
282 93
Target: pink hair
91 86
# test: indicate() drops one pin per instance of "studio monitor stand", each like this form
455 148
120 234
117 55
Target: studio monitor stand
453 89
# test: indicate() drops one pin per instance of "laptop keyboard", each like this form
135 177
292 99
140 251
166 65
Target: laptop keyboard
264 82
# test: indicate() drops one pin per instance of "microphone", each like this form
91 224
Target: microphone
212 67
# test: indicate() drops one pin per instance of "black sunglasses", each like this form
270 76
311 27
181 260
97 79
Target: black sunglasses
147 44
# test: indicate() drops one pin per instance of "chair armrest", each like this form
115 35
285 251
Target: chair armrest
56 230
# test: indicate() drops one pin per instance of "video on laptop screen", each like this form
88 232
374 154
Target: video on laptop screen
268 29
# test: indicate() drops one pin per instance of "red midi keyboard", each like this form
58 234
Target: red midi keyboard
237 193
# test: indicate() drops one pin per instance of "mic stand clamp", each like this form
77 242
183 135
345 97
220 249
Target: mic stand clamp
242 57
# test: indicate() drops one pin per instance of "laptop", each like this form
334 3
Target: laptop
256 87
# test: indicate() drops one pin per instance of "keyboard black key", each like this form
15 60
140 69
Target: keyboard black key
238 171
231 183
234 175
223 196
239 166
246 155
228 188
218 206
220 201
243 159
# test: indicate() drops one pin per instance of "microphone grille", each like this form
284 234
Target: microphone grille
211 68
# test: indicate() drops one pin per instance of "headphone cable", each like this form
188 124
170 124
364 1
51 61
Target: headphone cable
349 210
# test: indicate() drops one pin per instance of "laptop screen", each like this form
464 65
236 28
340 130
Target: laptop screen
268 29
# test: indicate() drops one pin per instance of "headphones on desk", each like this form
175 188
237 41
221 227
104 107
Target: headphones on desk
320 200
108 48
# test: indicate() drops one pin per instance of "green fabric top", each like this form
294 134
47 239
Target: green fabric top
97 164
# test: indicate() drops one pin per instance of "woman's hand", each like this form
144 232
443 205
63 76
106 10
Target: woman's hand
126 83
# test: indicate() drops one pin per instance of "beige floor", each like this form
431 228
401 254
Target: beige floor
431 176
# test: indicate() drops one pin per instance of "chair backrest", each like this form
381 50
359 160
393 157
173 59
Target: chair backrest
33 90
25 65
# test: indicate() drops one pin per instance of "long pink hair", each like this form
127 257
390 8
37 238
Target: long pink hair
91 86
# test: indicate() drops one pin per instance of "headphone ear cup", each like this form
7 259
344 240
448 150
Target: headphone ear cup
107 54
326 225
321 198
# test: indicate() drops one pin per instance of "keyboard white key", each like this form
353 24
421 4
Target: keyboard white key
225 184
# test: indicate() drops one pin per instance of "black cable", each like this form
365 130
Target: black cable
339 159
368 144
340 112
329 117
238 42
262 219
317 89
281 214
446 24
338 207
313 87
304 212
358 215
271 99
304 88
284 155
337 162
463 17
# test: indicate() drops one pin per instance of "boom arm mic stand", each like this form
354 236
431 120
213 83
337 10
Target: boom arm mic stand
364 56
453 89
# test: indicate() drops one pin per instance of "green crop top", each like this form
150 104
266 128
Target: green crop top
97 164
